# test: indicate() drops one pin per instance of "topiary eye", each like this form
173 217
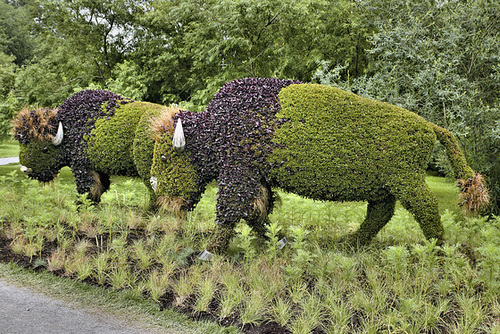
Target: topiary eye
45 149
163 158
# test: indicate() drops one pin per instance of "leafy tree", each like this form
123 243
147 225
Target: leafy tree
15 39
212 42
437 59
127 81
15 50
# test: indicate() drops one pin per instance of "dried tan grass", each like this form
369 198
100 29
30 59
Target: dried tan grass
36 123
261 203
97 188
164 123
171 205
474 195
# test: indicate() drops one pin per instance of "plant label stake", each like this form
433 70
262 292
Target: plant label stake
282 243
205 255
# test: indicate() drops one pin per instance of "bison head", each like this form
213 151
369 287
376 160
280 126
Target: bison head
173 176
40 138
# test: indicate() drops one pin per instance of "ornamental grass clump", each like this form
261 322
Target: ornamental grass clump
205 291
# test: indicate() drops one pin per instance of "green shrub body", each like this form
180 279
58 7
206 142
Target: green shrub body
178 178
43 158
339 146
123 144
342 147
110 142
317 141
143 145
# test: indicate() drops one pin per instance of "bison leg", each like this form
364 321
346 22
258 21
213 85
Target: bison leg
153 205
262 207
378 214
240 196
418 199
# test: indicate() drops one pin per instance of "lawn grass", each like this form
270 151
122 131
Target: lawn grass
9 148
400 283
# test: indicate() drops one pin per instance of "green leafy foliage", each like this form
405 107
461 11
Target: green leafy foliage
43 158
144 144
177 176
111 142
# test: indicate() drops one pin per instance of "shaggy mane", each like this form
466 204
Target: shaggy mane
164 123
34 124
261 203
171 205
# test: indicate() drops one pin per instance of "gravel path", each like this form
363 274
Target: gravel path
25 312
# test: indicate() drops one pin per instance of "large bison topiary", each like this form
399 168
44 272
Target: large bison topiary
95 132
316 141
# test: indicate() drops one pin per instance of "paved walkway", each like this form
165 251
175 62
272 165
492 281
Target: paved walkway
25 312
6 161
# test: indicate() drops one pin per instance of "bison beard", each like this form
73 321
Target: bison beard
172 205
261 203
100 185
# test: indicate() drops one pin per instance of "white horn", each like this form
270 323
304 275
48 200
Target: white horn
26 170
154 183
57 140
179 142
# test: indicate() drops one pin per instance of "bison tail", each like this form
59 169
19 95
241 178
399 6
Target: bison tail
474 195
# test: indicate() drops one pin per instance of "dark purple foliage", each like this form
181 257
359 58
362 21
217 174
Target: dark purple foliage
231 140
78 115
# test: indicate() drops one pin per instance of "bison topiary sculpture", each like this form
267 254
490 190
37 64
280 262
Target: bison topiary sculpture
95 132
313 140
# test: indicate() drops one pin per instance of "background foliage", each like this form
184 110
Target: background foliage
437 58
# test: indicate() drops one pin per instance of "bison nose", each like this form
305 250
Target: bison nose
154 183
26 170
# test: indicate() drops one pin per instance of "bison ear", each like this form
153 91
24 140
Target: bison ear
179 142
57 140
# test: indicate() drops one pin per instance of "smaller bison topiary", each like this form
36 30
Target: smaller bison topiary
316 141
96 133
